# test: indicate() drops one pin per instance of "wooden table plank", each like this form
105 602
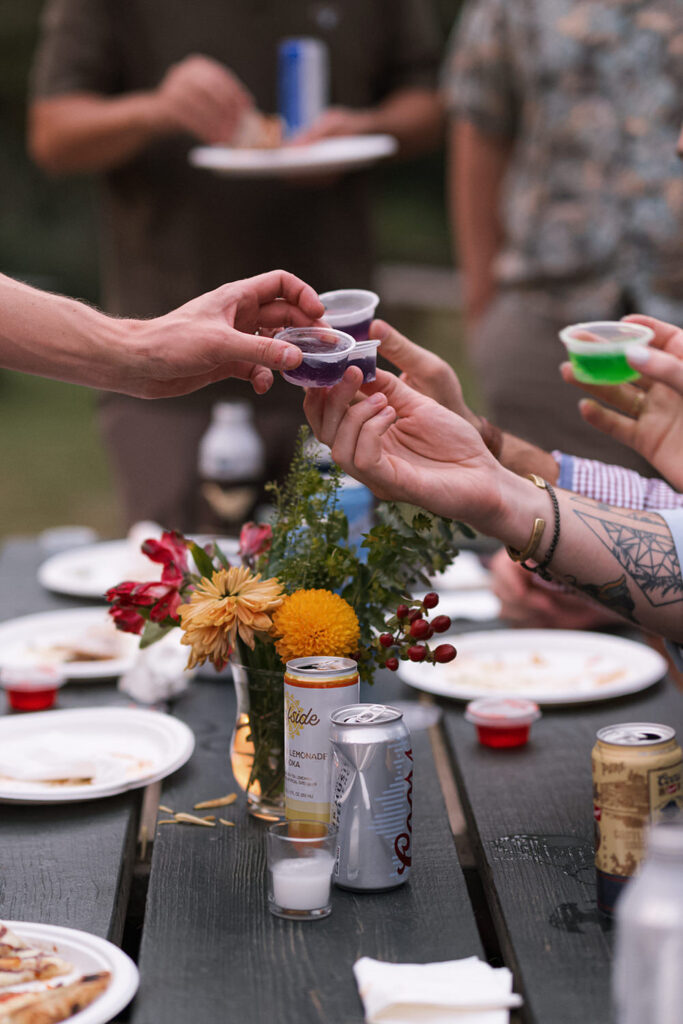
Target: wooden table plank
67 864
210 948
530 817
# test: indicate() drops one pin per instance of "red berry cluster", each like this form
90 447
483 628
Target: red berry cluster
408 632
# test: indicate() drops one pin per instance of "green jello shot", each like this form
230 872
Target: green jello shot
597 349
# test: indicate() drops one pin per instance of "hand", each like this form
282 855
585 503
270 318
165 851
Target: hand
406 447
202 97
336 121
212 337
422 370
529 603
647 416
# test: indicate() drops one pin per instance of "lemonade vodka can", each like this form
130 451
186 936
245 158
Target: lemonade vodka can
637 782
314 688
372 797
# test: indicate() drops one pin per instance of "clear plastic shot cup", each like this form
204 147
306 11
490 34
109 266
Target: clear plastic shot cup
364 355
300 858
597 349
325 355
351 310
31 687
502 721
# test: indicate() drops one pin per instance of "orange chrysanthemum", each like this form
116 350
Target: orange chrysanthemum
233 601
315 622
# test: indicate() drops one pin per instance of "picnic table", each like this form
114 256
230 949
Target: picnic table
503 865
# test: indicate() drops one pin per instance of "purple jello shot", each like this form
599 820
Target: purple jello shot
326 355
351 310
365 356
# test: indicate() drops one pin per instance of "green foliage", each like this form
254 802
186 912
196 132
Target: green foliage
310 548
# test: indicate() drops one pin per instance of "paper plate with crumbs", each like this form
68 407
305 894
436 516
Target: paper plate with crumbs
80 976
85 753
549 666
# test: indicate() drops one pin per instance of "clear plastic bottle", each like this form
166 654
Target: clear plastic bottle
648 967
231 465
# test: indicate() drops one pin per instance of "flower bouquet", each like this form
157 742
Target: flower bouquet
301 589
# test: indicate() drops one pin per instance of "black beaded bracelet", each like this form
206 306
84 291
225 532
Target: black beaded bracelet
542 568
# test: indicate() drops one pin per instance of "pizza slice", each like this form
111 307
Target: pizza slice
31 965
258 131
53 1004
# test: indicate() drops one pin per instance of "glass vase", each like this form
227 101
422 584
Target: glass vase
257 752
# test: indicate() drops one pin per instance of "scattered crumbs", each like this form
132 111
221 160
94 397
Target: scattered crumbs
167 821
165 809
192 819
224 822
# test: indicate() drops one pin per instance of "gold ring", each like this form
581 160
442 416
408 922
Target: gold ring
638 403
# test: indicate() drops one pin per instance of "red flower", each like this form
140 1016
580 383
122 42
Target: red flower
171 552
254 540
127 620
133 603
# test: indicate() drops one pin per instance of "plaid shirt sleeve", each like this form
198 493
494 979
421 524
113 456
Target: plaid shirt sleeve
614 485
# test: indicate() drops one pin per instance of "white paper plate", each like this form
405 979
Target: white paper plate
45 639
549 666
465 573
89 954
346 153
150 745
472 605
90 571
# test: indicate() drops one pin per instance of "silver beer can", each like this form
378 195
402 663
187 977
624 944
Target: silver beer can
372 796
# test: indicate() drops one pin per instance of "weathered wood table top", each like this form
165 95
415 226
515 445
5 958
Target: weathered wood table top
208 948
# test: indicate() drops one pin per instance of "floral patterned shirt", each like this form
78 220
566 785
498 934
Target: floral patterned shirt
590 95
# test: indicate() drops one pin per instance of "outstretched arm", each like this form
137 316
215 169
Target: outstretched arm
406 447
208 339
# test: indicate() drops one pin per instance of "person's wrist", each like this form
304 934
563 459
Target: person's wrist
520 502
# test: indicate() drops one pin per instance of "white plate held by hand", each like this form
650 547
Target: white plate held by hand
120 748
328 156
89 954
550 666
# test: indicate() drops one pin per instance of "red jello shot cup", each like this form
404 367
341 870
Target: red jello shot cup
31 687
502 721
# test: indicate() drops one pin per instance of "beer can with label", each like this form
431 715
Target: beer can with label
372 796
314 688
303 74
637 781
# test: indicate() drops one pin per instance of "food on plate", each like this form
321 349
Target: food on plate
21 962
98 643
51 1005
258 131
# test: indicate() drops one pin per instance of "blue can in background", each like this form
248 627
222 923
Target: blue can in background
303 82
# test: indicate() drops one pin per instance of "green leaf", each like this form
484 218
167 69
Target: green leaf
154 631
202 560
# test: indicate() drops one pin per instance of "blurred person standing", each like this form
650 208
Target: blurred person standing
566 194
125 90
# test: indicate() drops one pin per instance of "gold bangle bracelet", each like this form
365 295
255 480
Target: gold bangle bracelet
536 532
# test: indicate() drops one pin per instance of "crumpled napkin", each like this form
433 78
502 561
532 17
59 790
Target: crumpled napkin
158 672
452 992
53 756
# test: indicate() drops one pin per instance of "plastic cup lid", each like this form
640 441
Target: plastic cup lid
364 348
605 336
502 711
339 343
31 677
347 306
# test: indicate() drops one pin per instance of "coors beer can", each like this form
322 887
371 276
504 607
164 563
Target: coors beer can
637 776
372 796
314 688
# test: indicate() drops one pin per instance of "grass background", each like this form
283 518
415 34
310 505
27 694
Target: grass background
54 470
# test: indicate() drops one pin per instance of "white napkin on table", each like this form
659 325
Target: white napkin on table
158 671
452 992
